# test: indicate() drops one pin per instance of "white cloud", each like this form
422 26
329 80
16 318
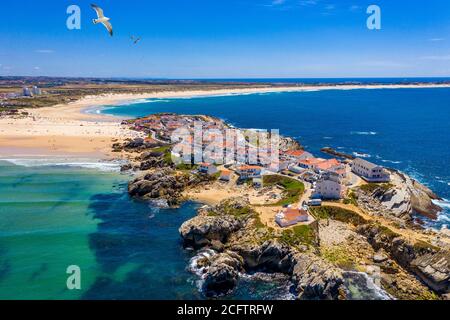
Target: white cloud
436 39
37 68
45 51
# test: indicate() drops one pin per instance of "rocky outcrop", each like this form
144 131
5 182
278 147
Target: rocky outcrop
222 273
164 184
315 278
202 230
434 270
404 197
228 225
271 256
429 263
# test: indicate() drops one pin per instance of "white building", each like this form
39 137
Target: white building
207 168
291 216
249 172
26 92
36 91
370 171
330 186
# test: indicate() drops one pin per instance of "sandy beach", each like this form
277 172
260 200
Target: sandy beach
69 130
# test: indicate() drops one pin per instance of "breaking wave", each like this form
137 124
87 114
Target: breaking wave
364 133
111 166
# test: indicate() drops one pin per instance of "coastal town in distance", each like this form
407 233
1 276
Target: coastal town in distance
225 159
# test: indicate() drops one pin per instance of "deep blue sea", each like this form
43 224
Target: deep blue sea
406 129
53 216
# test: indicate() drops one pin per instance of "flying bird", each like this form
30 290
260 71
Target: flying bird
102 19
135 40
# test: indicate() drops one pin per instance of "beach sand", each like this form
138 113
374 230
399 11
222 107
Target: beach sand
68 130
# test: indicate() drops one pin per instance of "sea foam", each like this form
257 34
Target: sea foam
110 166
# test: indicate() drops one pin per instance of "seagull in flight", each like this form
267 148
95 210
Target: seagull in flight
102 19
135 40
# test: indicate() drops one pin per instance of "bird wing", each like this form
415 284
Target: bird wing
98 10
108 26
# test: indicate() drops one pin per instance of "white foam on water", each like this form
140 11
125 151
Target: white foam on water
361 155
391 161
110 166
364 133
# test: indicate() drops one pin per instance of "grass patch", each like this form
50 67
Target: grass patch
336 213
339 257
298 235
293 189
186 167
371 187
352 198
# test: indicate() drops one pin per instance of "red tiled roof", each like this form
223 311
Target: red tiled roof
295 153
241 168
291 214
328 164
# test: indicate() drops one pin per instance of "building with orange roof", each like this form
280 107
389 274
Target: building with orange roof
291 216
249 172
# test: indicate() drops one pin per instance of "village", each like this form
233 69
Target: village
303 179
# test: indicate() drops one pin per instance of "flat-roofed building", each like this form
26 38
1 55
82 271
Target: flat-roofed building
370 171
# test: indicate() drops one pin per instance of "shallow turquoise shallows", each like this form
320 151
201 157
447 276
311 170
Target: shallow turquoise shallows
52 217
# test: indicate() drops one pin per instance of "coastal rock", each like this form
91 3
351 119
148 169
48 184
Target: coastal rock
315 278
430 264
162 184
201 230
222 274
434 269
135 143
271 256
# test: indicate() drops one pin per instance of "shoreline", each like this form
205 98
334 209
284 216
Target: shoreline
78 129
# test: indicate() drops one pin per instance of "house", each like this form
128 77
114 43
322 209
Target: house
310 163
297 155
296 169
327 165
370 171
225 175
26 92
249 172
291 216
330 186
207 168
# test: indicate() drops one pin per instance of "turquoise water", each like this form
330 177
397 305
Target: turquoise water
55 216
52 217
406 129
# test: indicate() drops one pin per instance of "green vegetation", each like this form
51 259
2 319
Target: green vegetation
336 213
387 232
293 189
352 198
371 187
186 167
298 235
422 245
338 256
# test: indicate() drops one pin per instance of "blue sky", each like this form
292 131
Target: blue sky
227 39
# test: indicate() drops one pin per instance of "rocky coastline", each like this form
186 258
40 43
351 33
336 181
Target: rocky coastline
240 243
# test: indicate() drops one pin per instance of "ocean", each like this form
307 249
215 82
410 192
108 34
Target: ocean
53 215
405 129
